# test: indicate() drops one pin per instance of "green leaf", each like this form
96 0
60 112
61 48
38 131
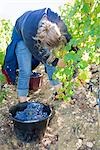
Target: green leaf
72 56
84 75
83 64
68 47
82 20
68 71
85 8
1 57
2 95
97 43
92 33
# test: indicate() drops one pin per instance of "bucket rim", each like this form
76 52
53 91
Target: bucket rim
33 121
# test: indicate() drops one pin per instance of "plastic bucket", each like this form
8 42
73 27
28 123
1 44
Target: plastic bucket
29 131
36 80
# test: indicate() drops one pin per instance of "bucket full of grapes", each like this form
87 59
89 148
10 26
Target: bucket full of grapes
36 80
30 120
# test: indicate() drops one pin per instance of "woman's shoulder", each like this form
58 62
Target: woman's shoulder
53 16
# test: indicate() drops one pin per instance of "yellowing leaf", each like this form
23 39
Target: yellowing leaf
85 56
84 75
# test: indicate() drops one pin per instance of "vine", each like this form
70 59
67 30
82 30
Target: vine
82 20
5 37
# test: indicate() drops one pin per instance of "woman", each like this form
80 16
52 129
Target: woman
34 36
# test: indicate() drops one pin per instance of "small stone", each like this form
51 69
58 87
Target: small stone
73 113
14 142
46 142
89 144
77 117
27 145
79 143
82 136
2 129
49 129
6 85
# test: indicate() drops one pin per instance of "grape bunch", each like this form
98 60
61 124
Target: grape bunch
35 74
34 111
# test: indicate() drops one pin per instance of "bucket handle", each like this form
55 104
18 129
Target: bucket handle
52 114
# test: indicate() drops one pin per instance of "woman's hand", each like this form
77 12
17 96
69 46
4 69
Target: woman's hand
22 99
50 70
61 63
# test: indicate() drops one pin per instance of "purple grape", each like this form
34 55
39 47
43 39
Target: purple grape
21 116
35 74
34 111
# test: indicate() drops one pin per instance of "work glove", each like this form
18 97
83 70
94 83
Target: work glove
50 69
56 85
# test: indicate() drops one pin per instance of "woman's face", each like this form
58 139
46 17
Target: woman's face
47 46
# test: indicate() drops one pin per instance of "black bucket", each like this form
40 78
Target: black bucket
33 130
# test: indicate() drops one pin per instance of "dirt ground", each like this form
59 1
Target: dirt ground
75 125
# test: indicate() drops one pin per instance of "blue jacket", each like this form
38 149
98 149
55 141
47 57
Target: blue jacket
25 28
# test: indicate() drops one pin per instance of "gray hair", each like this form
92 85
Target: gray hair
49 34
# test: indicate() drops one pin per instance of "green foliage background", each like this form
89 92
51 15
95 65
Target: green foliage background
83 21
5 37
